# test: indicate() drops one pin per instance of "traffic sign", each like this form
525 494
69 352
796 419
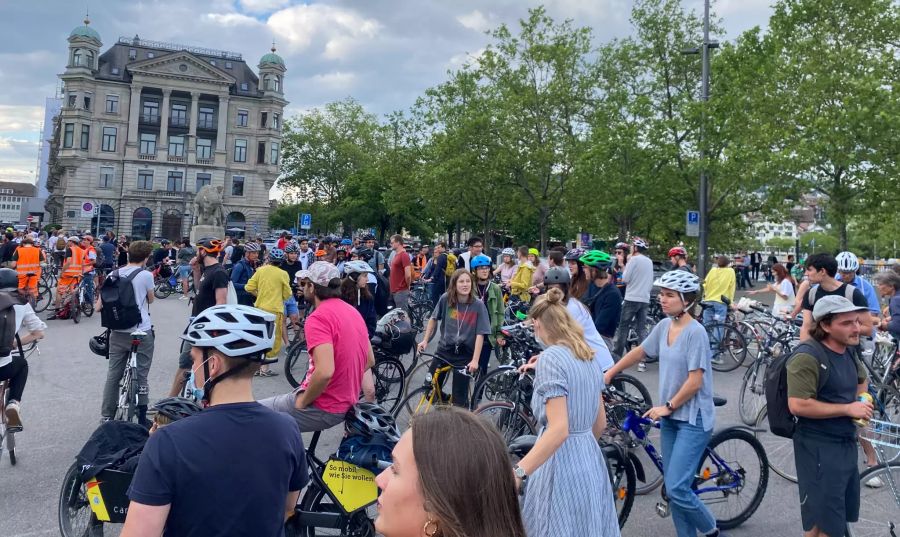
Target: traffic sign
692 224
29 218
88 209
305 221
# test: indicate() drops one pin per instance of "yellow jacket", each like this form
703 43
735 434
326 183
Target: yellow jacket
719 281
270 285
521 281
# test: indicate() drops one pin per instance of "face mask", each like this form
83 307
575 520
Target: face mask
192 384
539 341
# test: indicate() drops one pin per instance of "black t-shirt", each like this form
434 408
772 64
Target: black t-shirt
859 299
291 271
226 471
213 277
159 255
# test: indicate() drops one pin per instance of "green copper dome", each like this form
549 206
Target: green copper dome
271 58
85 31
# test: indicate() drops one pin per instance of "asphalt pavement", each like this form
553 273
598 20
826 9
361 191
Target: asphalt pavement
61 408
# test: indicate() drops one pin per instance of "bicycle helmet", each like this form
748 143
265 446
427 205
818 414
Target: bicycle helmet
235 330
351 267
622 246
100 344
176 408
679 280
365 253
396 333
480 260
9 279
596 258
534 251
508 251
251 247
291 249
369 419
368 237
677 250
346 242
276 254
640 243
320 253
574 254
210 245
847 262
557 275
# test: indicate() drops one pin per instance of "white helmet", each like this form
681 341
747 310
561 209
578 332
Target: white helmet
234 330
357 266
679 280
508 251
847 262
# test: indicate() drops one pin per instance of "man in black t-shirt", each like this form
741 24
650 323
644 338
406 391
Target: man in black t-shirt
211 278
820 271
237 467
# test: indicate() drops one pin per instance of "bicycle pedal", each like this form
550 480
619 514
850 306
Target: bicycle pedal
662 509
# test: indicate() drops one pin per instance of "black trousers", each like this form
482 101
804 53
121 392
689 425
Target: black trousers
460 381
16 373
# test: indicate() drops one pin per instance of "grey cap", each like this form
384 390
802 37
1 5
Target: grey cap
831 304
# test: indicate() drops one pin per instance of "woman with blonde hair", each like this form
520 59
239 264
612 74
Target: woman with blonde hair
567 490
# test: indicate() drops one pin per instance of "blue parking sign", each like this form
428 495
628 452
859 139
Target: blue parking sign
692 224
305 221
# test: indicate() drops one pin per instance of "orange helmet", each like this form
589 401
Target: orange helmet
210 246
320 253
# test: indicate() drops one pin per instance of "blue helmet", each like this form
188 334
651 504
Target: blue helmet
480 260
276 253
346 242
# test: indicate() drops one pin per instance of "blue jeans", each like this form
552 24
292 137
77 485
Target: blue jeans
89 286
682 448
715 314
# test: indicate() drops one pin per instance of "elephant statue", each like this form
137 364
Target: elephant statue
208 206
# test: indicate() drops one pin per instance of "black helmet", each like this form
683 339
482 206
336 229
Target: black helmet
176 408
369 419
396 332
9 279
364 253
368 237
100 344
557 275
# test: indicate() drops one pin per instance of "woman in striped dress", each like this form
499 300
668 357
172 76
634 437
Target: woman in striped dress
567 490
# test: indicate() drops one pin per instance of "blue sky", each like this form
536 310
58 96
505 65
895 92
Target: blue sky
384 53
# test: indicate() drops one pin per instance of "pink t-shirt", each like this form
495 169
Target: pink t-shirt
336 322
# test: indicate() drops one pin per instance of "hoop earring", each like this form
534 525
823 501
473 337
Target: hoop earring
434 528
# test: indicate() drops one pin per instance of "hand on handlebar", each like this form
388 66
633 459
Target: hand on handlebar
423 345
530 366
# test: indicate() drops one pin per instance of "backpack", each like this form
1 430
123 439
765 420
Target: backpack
781 421
60 244
101 260
848 294
8 336
120 308
237 253
382 294
451 264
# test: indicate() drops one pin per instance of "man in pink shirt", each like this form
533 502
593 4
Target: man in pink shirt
340 355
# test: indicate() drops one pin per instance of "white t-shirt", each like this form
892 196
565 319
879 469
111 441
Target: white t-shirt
594 340
228 251
24 316
784 305
638 278
142 284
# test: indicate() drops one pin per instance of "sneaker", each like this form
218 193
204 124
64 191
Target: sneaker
642 367
182 297
718 360
13 421
875 483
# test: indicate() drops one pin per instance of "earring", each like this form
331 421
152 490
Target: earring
430 524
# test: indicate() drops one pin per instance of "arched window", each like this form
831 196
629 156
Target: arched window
268 83
235 224
107 220
277 83
89 59
76 57
171 225
141 224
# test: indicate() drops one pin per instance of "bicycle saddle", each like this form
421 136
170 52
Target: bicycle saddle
719 401
376 341
522 445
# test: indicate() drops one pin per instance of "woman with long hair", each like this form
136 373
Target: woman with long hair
687 415
355 291
464 325
783 288
567 488
428 492
580 277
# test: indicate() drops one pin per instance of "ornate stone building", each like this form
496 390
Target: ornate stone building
145 125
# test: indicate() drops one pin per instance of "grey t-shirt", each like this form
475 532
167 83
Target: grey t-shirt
689 352
460 324
142 284
638 278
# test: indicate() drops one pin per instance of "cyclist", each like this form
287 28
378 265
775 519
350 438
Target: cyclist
476 246
490 294
888 284
271 287
377 259
848 269
602 299
340 354
521 281
783 289
400 276
436 272
90 262
355 291
537 279
720 281
678 258
306 256
821 269
242 272
70 273
291 265
420 262
27 261
120 340
185 254
638 277
428 488
13 367
506 269
685 384
621 253
210 277
576 271
236 468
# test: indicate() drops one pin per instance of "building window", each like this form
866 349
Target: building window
141 224
240 150
85 136
273 154
148 143
151 112
106 177
178 117
204 148
89 59
228 65
145 180
261 153
114 70
150 55
109 139
76 57
263 119
242 118
173 182
276 121
72 99
244 86
205 118
203 179
132 54
176 146
237 185
69 135
87 101
112 104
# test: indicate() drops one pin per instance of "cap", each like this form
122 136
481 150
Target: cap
831 304
320 273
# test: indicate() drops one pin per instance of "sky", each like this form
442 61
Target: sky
383 53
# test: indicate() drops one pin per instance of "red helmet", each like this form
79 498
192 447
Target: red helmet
677 250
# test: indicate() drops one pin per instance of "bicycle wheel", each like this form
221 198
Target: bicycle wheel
417 377
44 298
419 401
753 392
390 379
635 389
511 421
732 476
879 508
779 450
501 384
623 479
75 307
123 409
296 364
75 516
162 290
316 500
729 349
753 337
87 308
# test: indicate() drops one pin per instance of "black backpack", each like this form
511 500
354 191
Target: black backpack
781 421
237 253
382 294
101 260
120 308
9 339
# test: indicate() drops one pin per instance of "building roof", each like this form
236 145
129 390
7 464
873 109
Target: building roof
24 190
85 31
271 57
117 57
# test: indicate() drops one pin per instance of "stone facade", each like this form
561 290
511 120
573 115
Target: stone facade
145 125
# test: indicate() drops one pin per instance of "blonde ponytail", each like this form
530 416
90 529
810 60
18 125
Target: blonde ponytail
560 328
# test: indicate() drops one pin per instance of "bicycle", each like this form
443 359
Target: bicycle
7 436
129 390
879 508
423 399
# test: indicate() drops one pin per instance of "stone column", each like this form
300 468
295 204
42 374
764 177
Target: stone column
222 132
134 109
164 122
192 129
156 228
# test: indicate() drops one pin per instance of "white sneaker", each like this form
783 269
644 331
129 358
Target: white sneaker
642 367
13 421
875 483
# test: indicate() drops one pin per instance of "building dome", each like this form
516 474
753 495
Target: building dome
272 58
85 31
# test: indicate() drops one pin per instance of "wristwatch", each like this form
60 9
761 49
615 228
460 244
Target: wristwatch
669 406
520 472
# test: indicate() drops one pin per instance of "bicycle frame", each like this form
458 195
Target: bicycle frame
7 437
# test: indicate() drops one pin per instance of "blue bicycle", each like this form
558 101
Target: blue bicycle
731 477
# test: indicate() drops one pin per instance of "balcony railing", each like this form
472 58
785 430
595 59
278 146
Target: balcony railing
157 194
149 119
208 124
172 158
205 161
178 122
147 156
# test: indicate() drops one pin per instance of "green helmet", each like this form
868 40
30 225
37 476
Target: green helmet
596 258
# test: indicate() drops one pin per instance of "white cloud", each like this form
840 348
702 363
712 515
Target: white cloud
263 6
18 159
232 19
475 21
14 118
457 61
336 81
336 30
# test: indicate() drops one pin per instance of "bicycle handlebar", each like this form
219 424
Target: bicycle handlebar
461 371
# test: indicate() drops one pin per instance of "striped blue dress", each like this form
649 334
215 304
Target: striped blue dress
570 494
